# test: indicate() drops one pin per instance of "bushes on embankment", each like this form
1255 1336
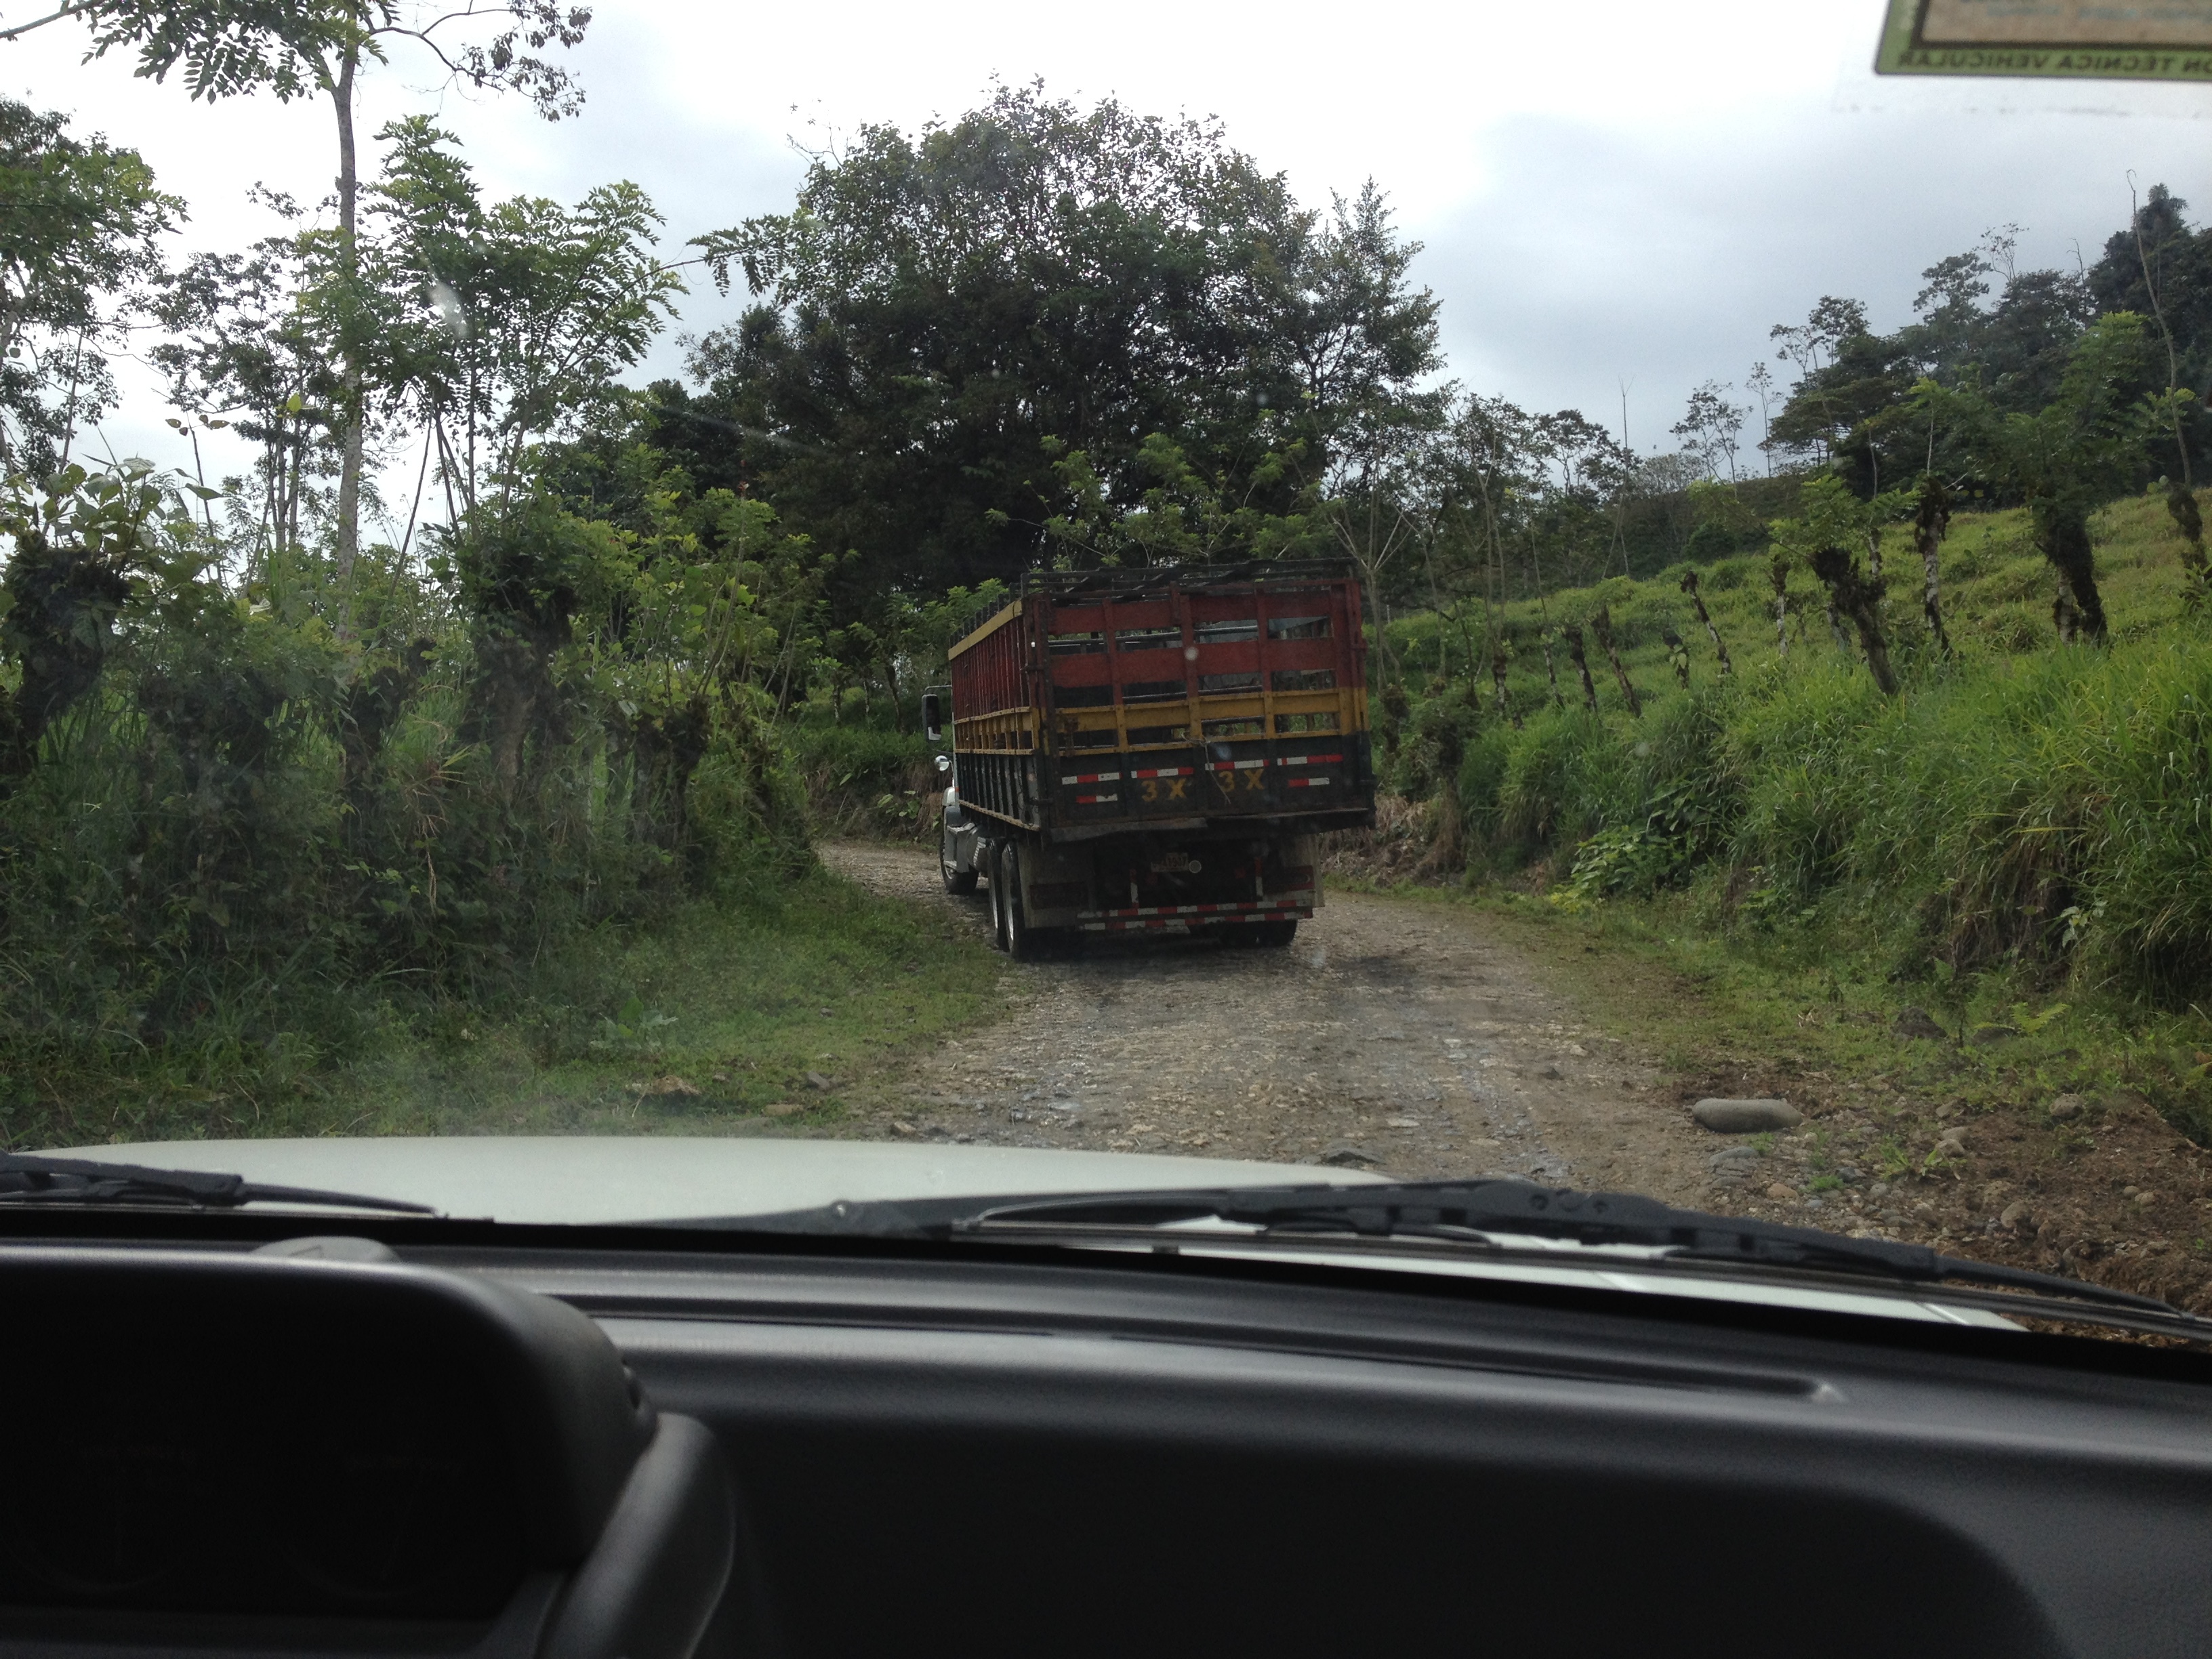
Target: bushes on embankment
243 814
2054 809
2021 803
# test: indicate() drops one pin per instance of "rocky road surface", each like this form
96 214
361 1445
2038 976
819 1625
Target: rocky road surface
1389 1036
1398 1036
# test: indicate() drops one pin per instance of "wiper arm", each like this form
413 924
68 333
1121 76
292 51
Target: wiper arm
29 1179
1467 1212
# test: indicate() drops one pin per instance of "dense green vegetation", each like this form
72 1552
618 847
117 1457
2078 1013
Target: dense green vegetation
710 1020
2024 830
298 782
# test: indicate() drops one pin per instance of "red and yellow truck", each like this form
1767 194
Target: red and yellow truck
1156 749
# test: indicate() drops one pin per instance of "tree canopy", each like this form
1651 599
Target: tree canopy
946 317
81 230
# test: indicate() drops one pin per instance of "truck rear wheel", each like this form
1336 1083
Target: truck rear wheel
1273 935
956 880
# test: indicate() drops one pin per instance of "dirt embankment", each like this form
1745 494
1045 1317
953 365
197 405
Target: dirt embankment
1403 1038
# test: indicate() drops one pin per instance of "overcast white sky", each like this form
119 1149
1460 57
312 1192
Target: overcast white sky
1609 190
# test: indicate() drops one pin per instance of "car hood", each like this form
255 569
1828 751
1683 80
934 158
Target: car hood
612 1179
582 1180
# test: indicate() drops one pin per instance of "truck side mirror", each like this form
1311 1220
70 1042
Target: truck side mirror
944 765
932 716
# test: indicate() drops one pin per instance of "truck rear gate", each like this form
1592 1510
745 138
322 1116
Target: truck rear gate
1105 701
1157 747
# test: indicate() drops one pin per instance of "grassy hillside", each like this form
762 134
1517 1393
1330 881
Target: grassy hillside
2022 839
1996 602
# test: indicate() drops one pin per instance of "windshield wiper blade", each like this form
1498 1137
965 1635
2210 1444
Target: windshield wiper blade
1468 1211
27 1178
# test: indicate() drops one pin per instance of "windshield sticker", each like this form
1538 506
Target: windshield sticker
2076 39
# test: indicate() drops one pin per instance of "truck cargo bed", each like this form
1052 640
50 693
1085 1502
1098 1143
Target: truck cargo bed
1102 703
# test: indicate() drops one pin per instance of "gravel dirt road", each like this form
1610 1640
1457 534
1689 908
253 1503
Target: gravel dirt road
1404 1037
1387 1037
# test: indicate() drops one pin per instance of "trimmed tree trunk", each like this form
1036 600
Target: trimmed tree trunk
2181 503
1551 671
1497 659
2065 615
1777 573
1678 654
2062 529
1860 598
1395 707
1601 625
1836 624
1931 522
1573 636
348 529
58 627
1697 604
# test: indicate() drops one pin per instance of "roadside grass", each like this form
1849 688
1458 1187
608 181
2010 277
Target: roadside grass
1764 868
696 1025
1810 1010
863 776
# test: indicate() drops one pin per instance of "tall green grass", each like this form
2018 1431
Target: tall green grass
693 1023
2057 808
863 774
2045 809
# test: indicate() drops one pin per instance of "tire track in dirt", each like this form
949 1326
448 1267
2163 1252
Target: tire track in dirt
1389 1036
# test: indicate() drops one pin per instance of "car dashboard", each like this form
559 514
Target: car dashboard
652 1448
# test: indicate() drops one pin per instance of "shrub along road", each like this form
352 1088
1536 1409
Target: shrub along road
1431 1039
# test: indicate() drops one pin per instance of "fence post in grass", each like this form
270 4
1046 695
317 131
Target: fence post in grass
1573 635
1860 598
1678 654
1601 625
1552 669
2181 503
1497 659
2065 615
1777 573
1697 604
1931 522
2062 530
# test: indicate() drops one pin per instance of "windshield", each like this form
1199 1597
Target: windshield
612 617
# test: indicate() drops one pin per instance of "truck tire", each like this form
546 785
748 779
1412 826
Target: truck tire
956 880
1273 935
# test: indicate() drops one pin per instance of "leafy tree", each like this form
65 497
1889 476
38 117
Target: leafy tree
497 326
947 319
2066 458
82 220
1811 348
2160 268
1712 430
85 543
1520 502
226 48
1184 516
242 350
